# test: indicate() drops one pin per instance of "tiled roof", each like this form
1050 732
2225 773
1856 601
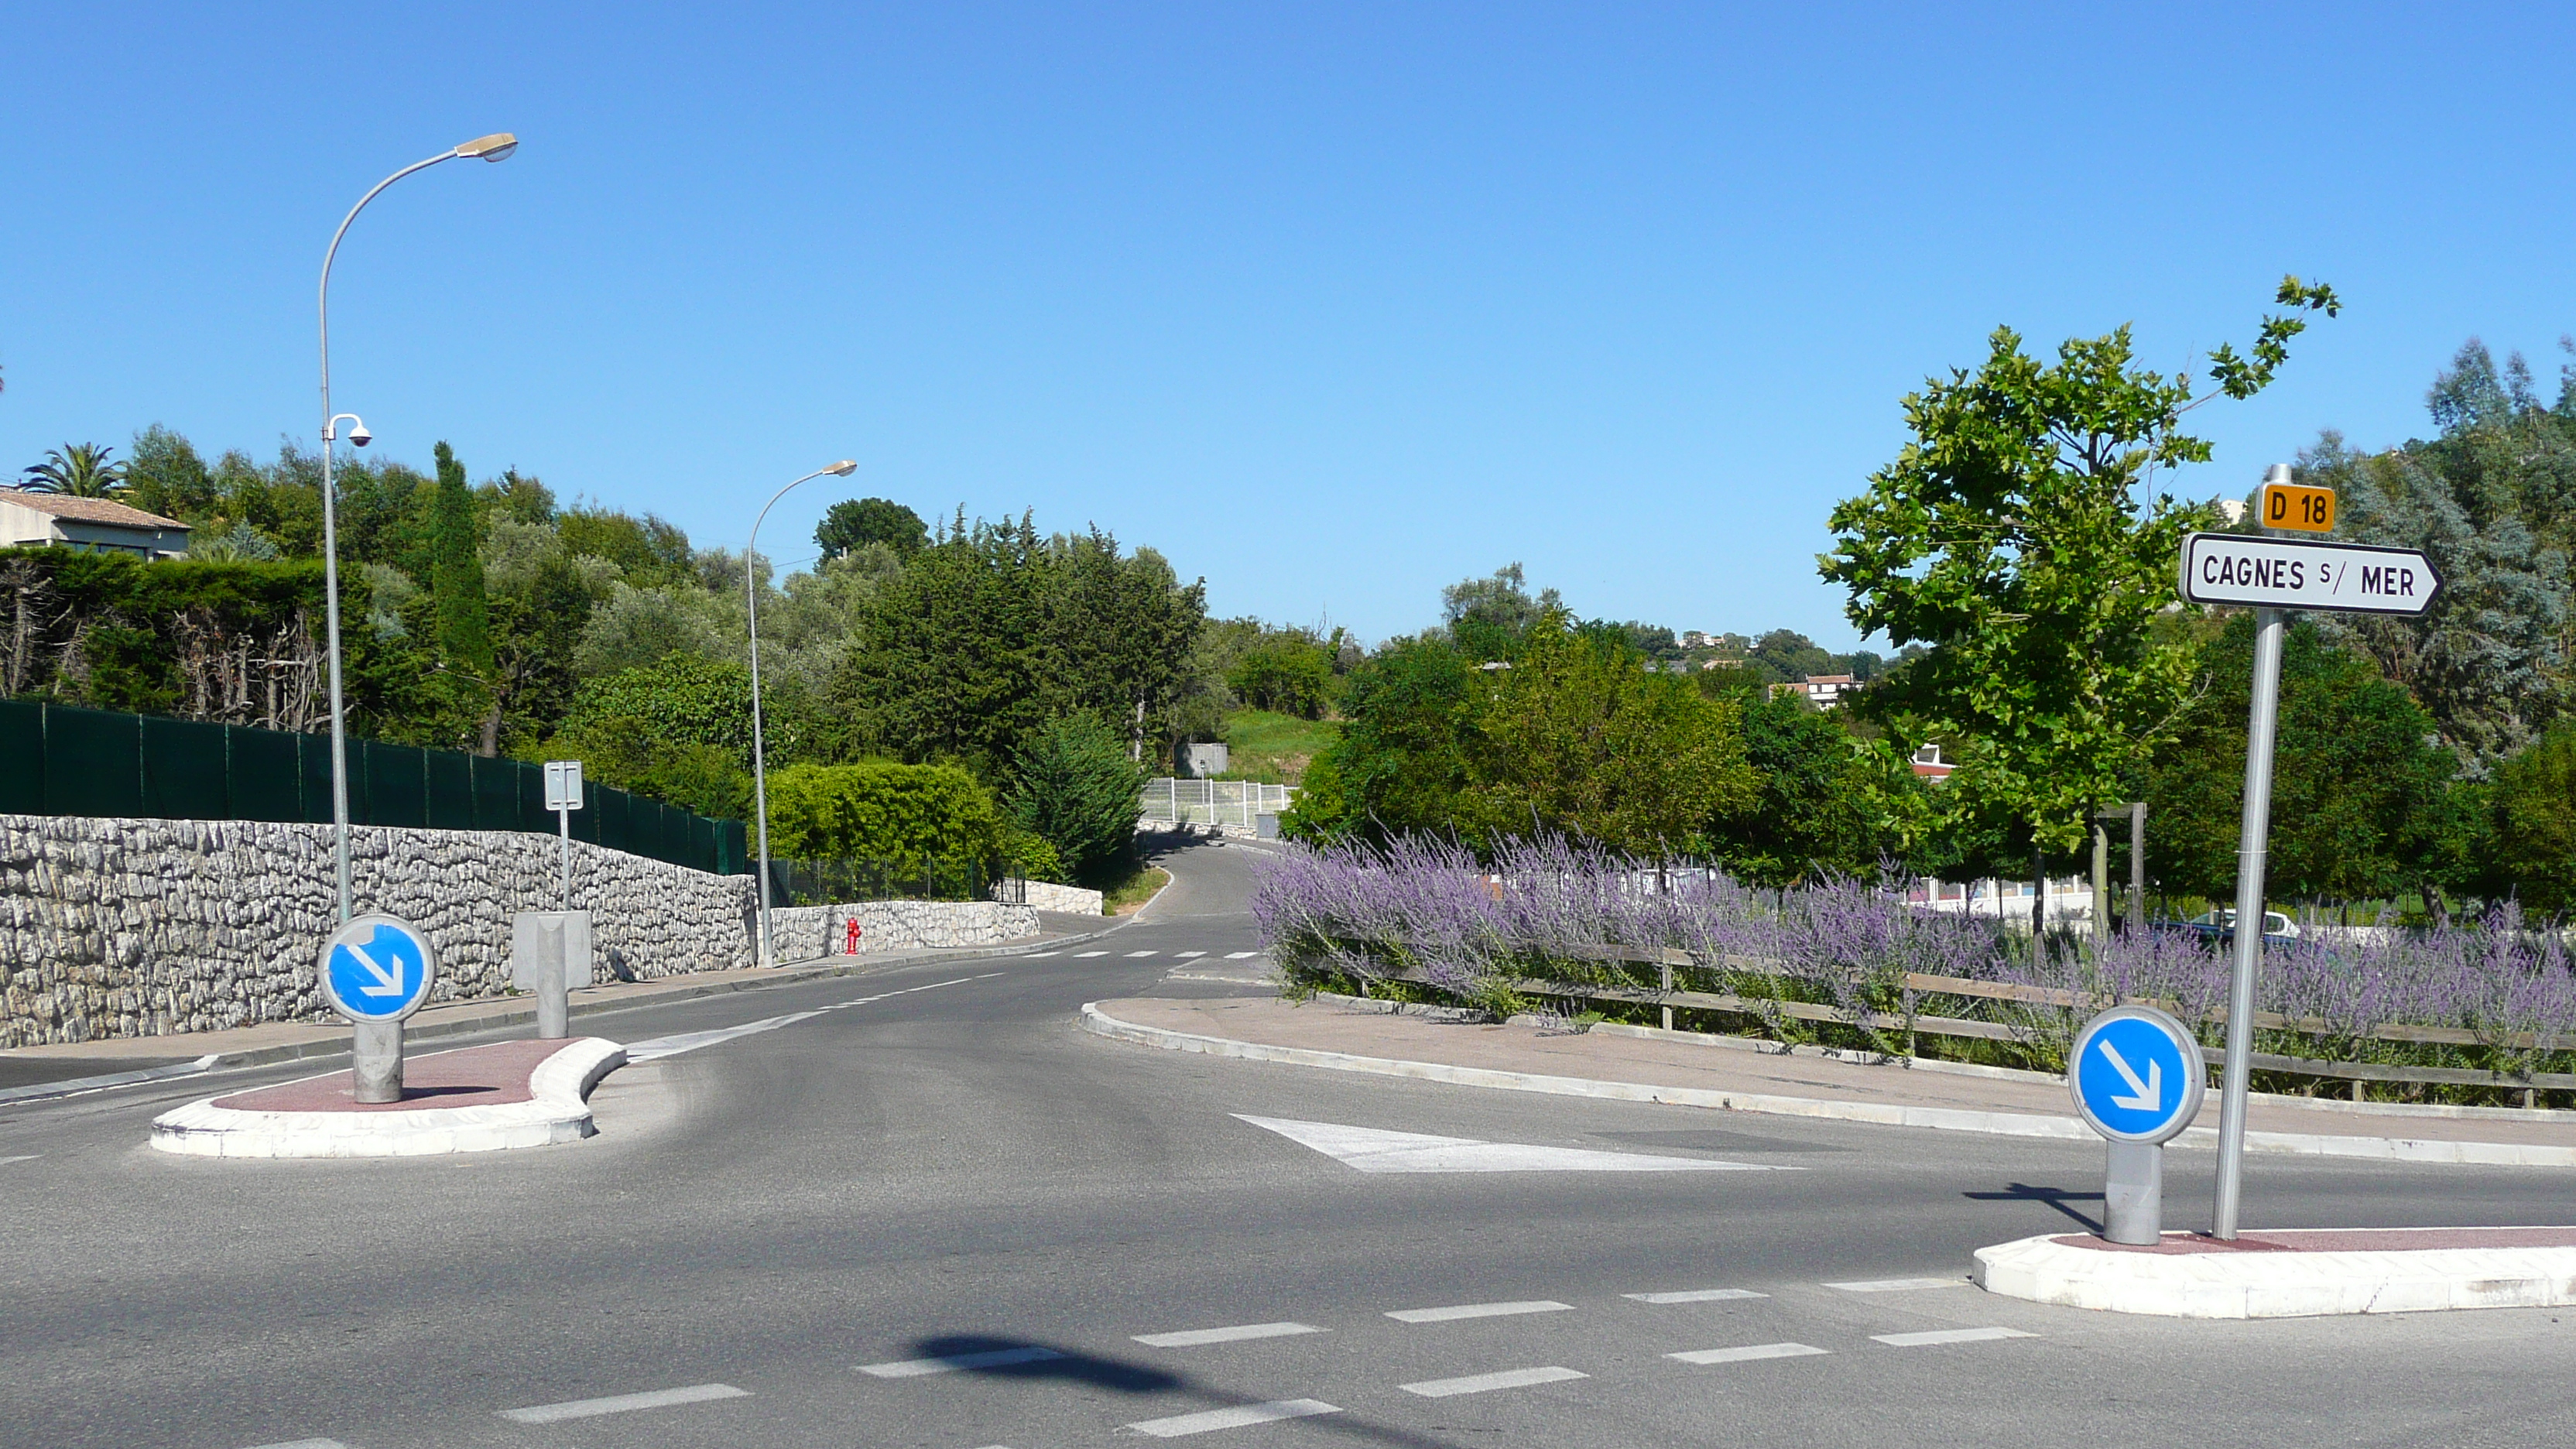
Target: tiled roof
87 510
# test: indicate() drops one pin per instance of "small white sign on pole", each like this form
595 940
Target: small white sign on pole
563 796
563 784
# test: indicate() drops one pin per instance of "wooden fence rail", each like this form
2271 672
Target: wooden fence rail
1668 997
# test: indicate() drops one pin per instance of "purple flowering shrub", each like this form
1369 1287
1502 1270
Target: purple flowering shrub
1545 909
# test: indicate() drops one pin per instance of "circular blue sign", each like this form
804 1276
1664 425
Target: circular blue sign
2136 1075
377 968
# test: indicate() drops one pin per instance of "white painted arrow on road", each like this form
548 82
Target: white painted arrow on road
1369 1149
2147 1096
388 983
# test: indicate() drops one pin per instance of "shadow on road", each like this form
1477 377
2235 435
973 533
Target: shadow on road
2056 1197
1021 1358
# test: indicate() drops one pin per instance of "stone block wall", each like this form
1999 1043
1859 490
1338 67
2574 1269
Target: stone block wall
1048 896
119 928
804 932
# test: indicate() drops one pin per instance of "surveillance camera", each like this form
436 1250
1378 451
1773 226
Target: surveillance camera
359 437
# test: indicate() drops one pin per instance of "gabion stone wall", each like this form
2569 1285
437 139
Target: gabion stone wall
119 928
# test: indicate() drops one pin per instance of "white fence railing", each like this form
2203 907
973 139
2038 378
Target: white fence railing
1226 804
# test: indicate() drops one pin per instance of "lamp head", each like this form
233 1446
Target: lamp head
495 147
843 468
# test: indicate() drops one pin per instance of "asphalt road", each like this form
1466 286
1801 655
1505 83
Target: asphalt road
956 1173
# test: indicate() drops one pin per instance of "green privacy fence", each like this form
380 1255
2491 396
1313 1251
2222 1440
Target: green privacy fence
59 760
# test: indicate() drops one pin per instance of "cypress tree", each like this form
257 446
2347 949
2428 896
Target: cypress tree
456 568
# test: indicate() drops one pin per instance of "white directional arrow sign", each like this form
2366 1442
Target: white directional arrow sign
2144 1096
2283 573
386 983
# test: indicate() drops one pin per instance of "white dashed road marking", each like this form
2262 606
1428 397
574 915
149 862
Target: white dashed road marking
1086 955
1898 1285
1948 1335
1039 955
1196 1336
32 1156
1748 1353
1235 1418
1186 955
1137 955
1482 1383
623 1403
1478 1310
307 1444
912 1368
1240 955
1696 1295
689 1041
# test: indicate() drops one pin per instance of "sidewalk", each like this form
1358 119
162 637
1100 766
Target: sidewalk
42 1071
1643 1064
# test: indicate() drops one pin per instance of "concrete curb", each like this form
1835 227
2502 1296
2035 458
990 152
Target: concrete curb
1885 1114
515 1015
2277 1285
555 1112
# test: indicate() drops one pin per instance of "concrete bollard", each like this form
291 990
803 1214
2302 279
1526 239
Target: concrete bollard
550 955
376 1052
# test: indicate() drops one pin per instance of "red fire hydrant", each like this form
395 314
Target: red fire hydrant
851 948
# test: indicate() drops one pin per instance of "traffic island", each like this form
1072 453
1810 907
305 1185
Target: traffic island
2295 1273
477 1099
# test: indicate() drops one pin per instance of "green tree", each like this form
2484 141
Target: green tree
2009 536
1578 737
1286 670
1487 617
903 816
81 470
1401 761
456 568
2535 822
2357 792
166 476
2493 502
1825 802
991 631
1077 791
854 523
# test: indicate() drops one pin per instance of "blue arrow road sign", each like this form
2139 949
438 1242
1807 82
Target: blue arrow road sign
2136 1075
378 968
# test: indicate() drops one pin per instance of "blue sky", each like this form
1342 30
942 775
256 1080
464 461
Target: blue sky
1331 304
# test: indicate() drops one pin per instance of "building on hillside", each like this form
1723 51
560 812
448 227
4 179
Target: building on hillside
1928 764
1697 639
96 525
1824 691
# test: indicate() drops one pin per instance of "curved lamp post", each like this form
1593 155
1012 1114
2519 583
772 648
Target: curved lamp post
496 147
759 763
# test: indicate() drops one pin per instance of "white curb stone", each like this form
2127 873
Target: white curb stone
2277 1285
555 1112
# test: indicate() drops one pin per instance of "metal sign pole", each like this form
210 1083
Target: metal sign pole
2259 729
563 817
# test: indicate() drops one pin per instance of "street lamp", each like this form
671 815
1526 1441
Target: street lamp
495 147
759 763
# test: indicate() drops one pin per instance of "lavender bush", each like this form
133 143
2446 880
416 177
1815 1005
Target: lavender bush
1546 909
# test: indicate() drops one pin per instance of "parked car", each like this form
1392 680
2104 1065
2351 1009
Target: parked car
2220 925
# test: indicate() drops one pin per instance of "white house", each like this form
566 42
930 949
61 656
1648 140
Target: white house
96 524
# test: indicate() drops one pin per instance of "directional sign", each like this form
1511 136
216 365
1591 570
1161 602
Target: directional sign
2136 1074
2283 573
377 968
2299 506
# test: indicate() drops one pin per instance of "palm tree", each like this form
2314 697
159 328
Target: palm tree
79 469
